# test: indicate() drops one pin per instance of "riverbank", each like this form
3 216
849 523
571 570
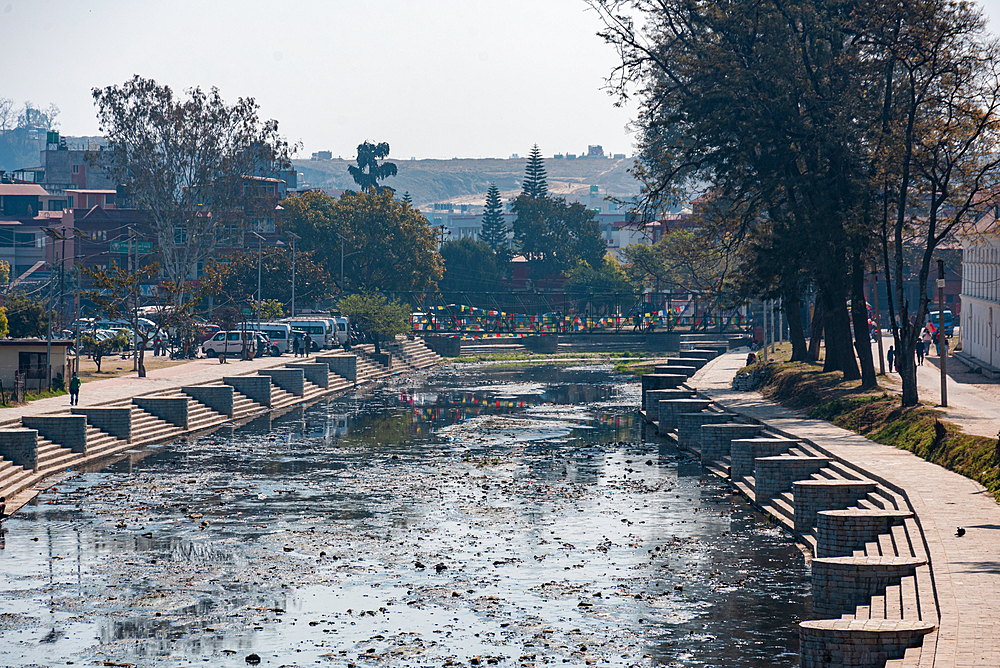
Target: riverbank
963 590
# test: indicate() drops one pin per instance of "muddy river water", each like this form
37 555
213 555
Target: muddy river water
478 515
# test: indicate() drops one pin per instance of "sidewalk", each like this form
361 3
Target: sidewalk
966 570
195 372
973 401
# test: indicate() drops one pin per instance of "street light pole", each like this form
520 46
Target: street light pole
260 255
878 322
943 347
294 237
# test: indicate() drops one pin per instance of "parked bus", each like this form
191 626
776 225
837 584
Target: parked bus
280 334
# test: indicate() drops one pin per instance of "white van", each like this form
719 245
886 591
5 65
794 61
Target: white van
319 330
231 343
343 329
280 334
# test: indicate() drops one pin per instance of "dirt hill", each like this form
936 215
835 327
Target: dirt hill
465 180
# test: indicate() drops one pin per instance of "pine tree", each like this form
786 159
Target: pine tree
534 175
494 232
407 198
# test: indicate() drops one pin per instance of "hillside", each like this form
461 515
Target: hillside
465 180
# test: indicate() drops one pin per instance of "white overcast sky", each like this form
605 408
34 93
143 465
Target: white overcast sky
434 78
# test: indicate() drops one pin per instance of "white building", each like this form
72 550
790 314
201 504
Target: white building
980 324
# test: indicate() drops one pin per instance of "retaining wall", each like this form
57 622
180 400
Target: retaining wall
841 584
170 409
345 366
716 439
671 408
315 373
20 447
774 475
114 421
67 431
660 381
744 451
217 397
653 398
857 643
256 388
840 532
290 380
689 426
812 496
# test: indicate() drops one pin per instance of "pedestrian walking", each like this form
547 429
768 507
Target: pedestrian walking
920 352
74 390
891 357
296 343
308 346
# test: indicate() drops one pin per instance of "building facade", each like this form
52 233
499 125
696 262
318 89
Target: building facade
980 315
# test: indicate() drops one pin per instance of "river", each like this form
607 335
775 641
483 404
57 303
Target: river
475 515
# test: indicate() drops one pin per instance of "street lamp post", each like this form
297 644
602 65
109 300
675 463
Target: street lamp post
294 237
942 341
260 255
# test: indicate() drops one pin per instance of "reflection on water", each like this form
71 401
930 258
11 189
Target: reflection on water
489 512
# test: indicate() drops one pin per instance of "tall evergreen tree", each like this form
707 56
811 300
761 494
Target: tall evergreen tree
494 232
535 185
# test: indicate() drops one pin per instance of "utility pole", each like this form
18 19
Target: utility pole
763 313
941 337
878 322
294 237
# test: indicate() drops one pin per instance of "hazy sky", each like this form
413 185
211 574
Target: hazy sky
434 78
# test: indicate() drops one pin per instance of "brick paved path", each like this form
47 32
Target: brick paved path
966 570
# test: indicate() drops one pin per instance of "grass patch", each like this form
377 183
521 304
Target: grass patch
33 396
878 416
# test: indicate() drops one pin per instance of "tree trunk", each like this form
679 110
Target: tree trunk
859 316
378 349
793 311
906 364
839 356
142 365
816 331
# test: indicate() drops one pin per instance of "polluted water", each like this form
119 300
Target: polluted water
474 515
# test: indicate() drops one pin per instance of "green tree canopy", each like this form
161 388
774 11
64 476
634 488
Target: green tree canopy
26 316
554 236
187 161
387 245
235 276
494 230
470 269
369 172
535 184
377 316
601 288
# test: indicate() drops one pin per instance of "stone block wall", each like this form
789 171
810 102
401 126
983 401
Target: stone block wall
544 343
716 439
774 475
170 409
745 450
689 426
67 431
696 362
812 496
840 532
345 366
217 397
660 381
315 373
671 408
256 388
664 341
653 398
704 353
290 380
857 643
114 421
445 346
841 584
684 370
20 447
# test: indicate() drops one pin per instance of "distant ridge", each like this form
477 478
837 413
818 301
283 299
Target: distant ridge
465 180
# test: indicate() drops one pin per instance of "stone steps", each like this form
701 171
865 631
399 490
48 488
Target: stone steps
52 456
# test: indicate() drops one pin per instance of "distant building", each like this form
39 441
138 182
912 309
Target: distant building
322 155
595 151
980 316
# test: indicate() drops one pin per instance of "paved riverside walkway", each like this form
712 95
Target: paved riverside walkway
195 372
966 570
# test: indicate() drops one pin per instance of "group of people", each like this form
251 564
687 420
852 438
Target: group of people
301 345
923 347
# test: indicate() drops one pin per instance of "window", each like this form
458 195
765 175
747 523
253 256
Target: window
219 337
6 238
24 239
234 336
76 169
180 235
109 198
32 365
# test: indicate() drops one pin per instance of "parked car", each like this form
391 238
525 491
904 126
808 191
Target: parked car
232 342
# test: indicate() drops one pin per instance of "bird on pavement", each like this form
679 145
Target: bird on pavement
960 532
